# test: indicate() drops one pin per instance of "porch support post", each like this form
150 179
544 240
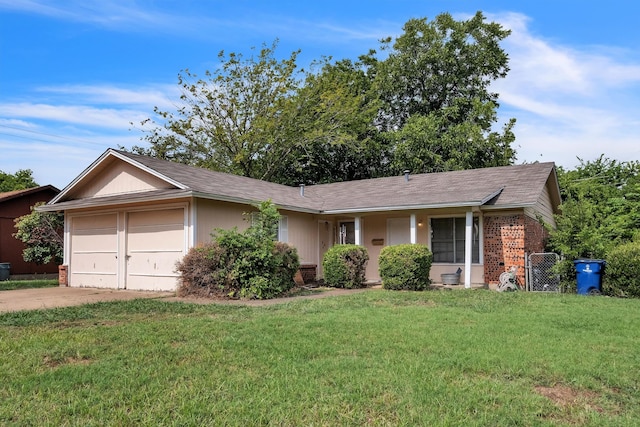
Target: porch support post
356 231
414 232
468 248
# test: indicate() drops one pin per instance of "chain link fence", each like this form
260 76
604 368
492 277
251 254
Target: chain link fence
540 276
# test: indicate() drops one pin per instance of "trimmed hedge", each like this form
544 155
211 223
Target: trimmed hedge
344 266
622 272
405 267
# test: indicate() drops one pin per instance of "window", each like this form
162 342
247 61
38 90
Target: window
282 232
283 229
347 233
447 240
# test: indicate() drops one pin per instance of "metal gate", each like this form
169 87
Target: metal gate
540 276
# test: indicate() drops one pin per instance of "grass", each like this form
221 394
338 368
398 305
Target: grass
373 358
10 285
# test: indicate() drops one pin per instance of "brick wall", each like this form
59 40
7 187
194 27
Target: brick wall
504 246
536 236
507 240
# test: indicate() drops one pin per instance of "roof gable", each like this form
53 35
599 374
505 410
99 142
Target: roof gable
113 174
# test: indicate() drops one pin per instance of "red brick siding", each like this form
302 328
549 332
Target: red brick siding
504 246
536 236
507 240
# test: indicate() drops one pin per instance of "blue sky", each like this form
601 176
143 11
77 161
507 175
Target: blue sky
75 73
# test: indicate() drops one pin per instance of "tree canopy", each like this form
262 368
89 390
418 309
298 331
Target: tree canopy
21 180
600 208
422 103
41 233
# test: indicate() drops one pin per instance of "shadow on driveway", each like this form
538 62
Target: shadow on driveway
43 298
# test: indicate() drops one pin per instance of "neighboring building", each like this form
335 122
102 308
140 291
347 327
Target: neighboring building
14 204
129 218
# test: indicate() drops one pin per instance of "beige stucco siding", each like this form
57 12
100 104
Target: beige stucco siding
303 234
211 214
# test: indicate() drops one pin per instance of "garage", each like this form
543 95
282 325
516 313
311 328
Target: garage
135 250
155 242
94 251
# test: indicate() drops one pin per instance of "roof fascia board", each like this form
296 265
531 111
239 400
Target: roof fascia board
100 201
401 208
249 202
506 206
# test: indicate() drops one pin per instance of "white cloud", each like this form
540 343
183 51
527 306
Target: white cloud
106 13
569 101
74 114
162 96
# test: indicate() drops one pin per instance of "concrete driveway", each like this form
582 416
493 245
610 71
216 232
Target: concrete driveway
41 298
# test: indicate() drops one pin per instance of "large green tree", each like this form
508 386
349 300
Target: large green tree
336 127
423 104
21 180
234 120
434 84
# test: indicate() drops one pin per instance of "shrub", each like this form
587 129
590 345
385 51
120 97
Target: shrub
405 267
344 266
622 275
245 264
199 271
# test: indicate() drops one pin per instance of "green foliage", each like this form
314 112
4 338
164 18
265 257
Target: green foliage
247 264
375 358
405 267
21 180
600 211
423 104
41 232
344 266
237 119
437 109
622 274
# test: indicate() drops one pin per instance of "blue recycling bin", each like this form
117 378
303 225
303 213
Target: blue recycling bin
589 276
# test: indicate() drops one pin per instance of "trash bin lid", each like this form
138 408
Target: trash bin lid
589 261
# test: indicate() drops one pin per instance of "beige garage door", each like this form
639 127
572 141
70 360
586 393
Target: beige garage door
155 242
94 251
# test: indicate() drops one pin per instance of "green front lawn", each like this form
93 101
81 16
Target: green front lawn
373 358
9 285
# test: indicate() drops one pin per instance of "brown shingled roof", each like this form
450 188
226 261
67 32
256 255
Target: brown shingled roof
507 186
18 193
